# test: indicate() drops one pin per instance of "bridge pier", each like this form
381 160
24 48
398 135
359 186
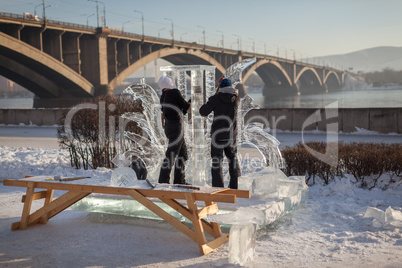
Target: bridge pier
103 90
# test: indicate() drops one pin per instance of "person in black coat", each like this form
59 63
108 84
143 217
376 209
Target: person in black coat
224 104
174 107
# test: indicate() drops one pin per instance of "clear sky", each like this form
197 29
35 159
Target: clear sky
307 28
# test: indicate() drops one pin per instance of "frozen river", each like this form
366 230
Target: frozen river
45 137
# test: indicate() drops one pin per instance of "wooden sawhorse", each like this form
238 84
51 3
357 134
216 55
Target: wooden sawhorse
76 192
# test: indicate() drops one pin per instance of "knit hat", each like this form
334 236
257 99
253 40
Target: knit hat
225 83
166 82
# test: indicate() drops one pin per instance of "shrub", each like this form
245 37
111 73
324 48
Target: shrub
89 143
367 162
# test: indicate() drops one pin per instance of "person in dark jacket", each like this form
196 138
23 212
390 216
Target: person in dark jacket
224 104
174 106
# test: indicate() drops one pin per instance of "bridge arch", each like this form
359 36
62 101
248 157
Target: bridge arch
307 69
332 80
263 62
39 72
176 56
309 81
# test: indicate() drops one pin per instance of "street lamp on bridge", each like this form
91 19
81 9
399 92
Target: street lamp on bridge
97 12
223 45
172 33
265 47
294 54
277 50
253 45
142 20
44 9
124 23
286 52
89 17
203 33
238 41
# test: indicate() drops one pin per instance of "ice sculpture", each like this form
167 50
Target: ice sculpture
123 177
197 165
234 71
253 133
242 243
150 145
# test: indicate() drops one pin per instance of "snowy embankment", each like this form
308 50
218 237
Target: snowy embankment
329 230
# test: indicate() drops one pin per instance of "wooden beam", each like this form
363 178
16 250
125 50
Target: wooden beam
27 205
223 198
135 194
198 228
186 213
48 199
208 210
66 202
238 193
35 196
217 243
216 228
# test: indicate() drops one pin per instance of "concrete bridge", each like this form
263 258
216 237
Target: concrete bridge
63 63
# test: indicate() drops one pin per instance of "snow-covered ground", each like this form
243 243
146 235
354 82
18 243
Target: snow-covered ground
329 230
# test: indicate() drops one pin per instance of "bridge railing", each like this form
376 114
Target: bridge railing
12 15
35 19
71 24
32 18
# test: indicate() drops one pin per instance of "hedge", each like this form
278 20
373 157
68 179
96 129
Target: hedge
366 162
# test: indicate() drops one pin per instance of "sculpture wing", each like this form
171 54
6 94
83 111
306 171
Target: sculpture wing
235 70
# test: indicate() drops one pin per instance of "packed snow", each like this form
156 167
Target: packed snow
329 230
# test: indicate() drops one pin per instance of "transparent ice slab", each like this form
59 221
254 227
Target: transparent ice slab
256 211
389 218
242 243
122 206
267 208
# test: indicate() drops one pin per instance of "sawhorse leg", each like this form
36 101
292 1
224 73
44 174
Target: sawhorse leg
50 207
197 215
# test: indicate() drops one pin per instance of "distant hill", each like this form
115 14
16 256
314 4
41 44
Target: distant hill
366 60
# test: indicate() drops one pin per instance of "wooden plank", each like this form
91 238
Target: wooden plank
35 196
223 198
217 243
216 228
238 193
208 210
161 213
198 228
27 206
49 197
186 213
